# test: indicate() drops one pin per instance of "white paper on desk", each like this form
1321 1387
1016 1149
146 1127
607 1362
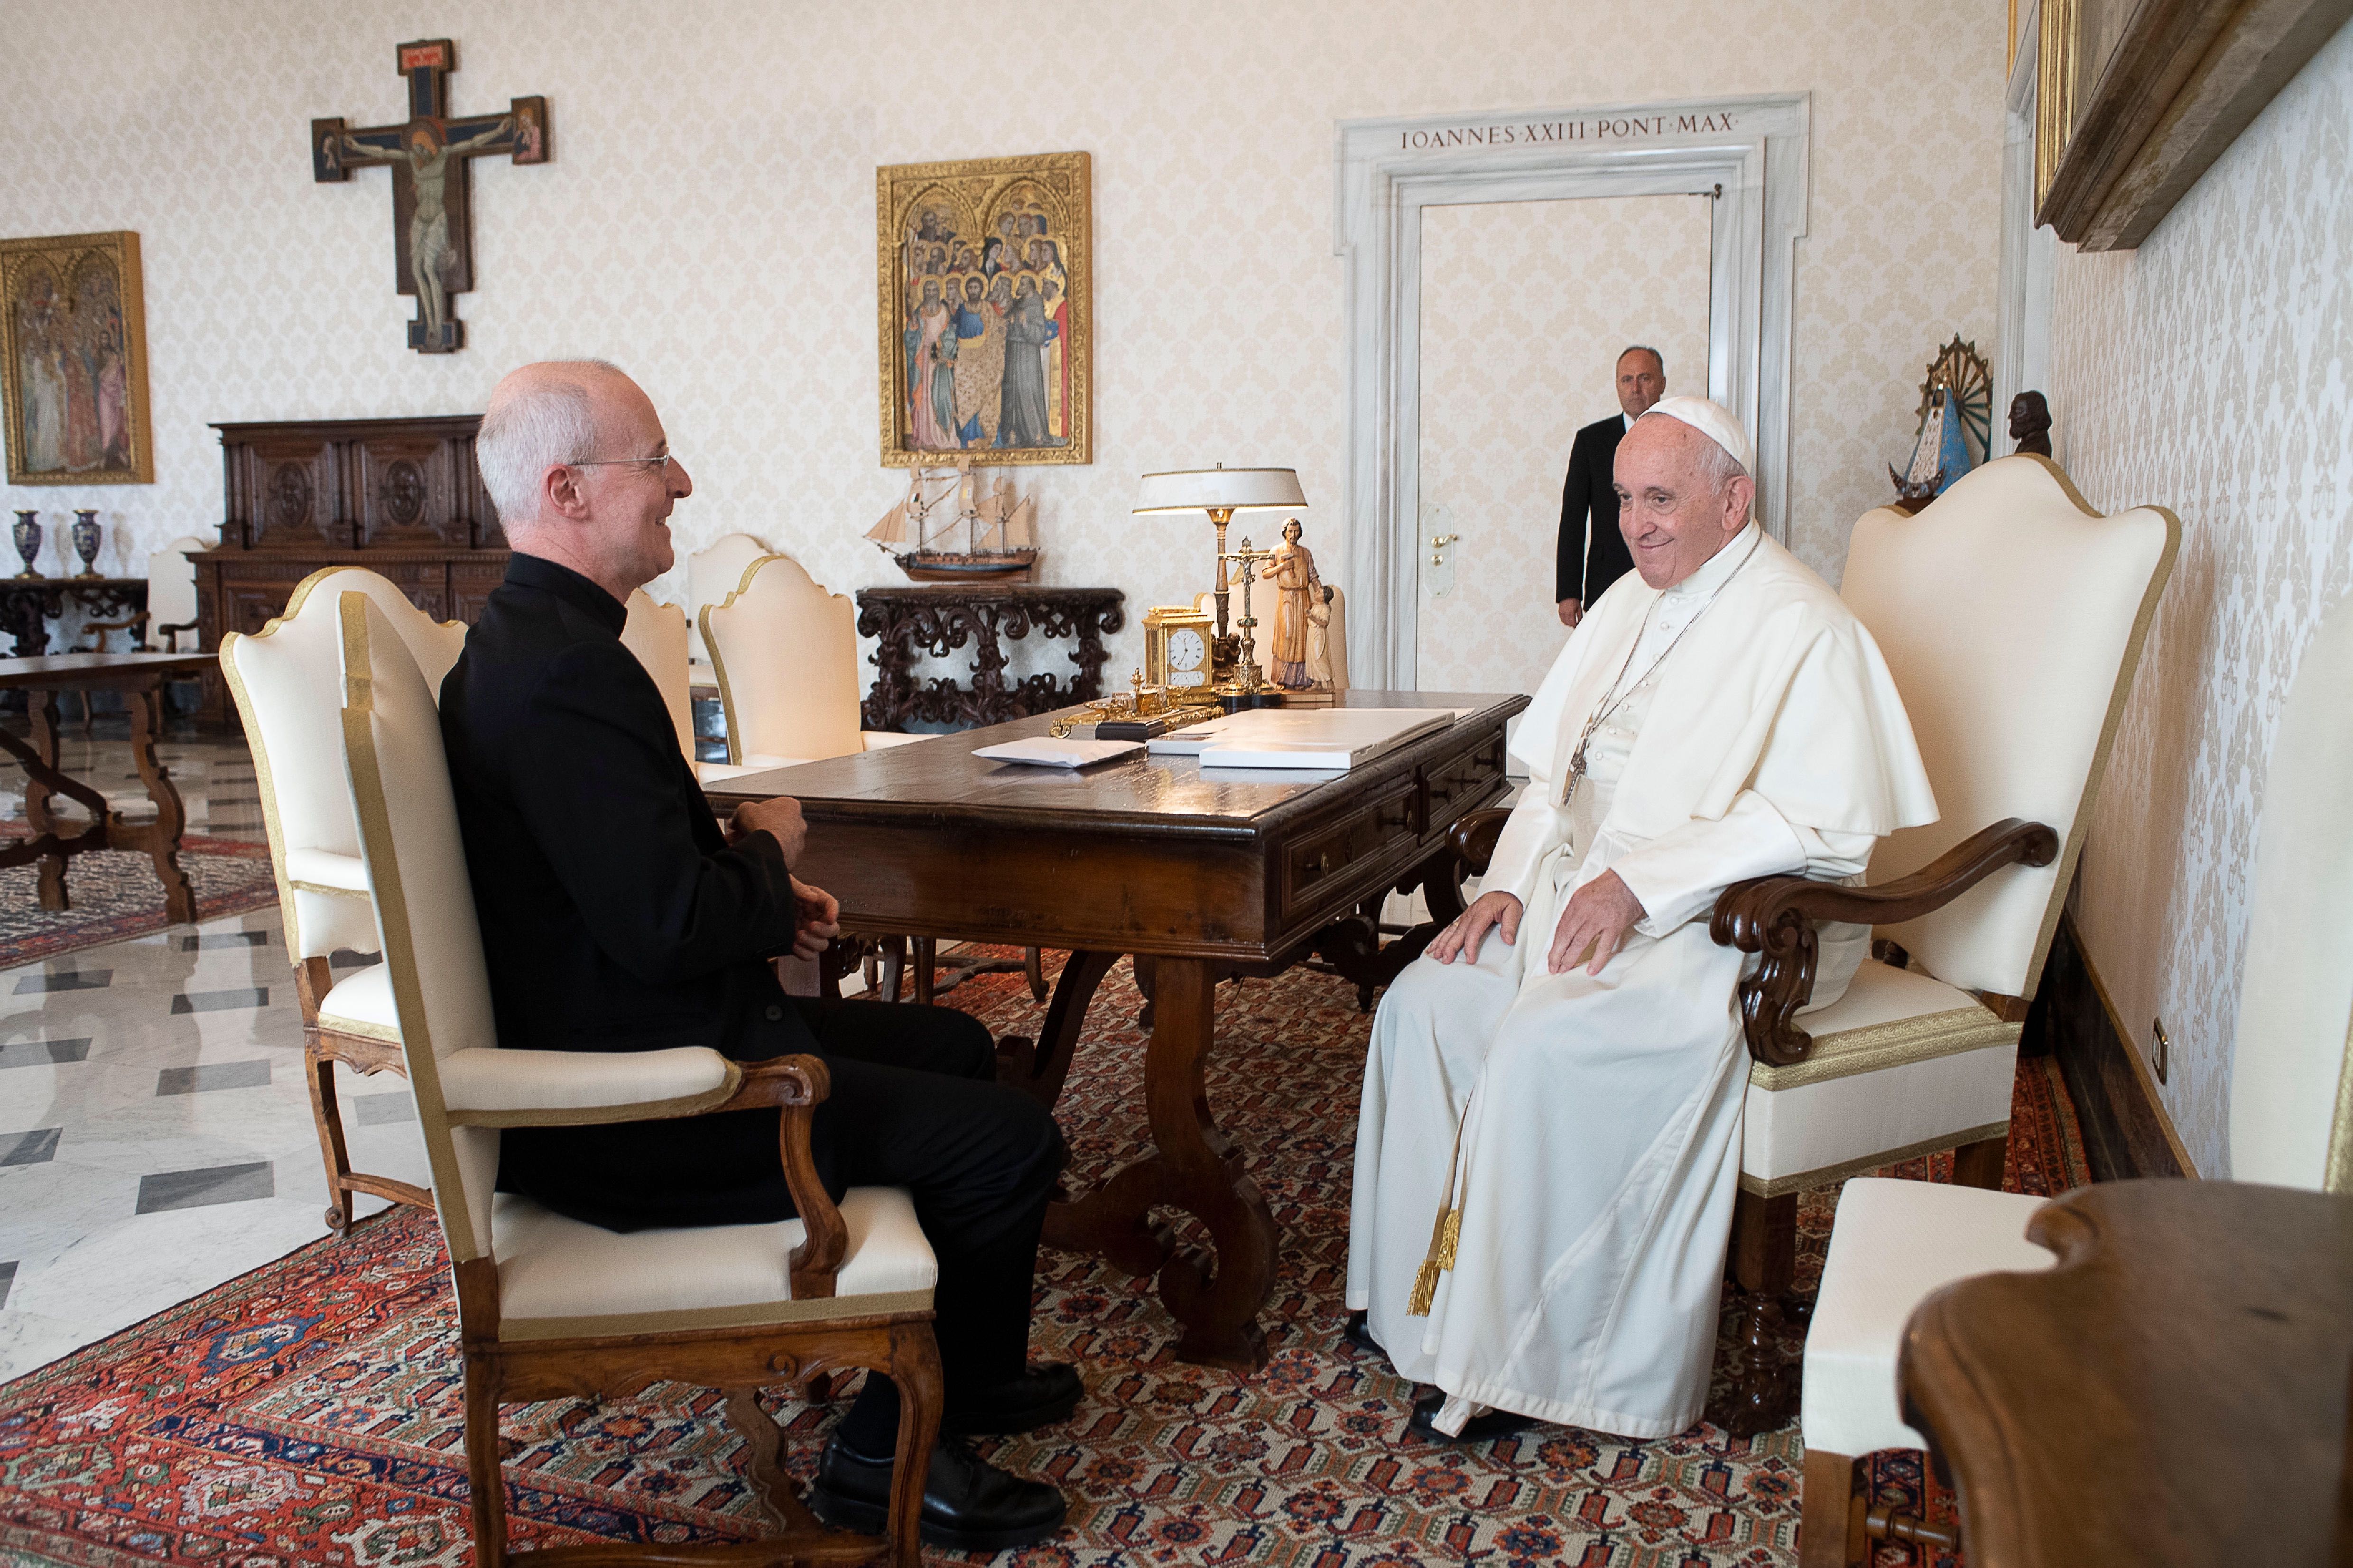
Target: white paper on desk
1045 752
1322 738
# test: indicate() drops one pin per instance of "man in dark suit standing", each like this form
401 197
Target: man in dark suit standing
616 916
1592 552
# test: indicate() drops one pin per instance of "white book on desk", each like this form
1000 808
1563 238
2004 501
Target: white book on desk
1328 738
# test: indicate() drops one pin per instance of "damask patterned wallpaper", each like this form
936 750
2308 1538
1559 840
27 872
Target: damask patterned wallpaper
708 221
2210 371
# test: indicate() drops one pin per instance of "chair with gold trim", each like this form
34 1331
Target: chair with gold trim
1893 1243
2011 616
549 1306
657 634
786 654
283 679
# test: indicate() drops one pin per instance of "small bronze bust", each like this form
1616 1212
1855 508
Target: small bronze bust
2030 423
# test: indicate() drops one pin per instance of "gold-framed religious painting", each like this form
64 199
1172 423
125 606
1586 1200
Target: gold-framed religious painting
984 278
2135 98
73 361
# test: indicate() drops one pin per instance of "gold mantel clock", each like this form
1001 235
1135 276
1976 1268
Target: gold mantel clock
1176 652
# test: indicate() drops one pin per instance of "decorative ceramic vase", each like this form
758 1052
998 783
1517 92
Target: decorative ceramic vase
29 541
86 536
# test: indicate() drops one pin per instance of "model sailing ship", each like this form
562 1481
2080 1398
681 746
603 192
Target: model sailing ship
959 531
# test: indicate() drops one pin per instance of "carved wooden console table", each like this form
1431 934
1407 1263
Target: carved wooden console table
399 497
26 604
942 617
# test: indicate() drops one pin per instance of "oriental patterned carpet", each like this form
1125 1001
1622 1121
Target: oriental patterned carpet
115 894
309 1412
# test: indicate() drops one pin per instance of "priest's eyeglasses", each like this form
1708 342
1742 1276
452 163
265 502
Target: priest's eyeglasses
655 467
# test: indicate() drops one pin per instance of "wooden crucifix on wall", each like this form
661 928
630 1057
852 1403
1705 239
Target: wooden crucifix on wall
432 224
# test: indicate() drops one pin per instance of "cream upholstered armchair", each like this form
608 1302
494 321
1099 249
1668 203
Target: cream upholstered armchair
657 634
2011 617
171 611
549 1306
2291 1119
711 574
786 654
283 679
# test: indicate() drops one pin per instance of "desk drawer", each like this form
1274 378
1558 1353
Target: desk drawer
1369 832
1459 781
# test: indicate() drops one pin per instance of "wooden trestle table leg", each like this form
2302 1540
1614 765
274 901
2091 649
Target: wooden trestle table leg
160 839
1192 1168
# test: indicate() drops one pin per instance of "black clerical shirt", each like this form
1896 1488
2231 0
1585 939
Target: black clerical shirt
615 915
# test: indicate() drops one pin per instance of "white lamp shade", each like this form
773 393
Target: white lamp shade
1200 489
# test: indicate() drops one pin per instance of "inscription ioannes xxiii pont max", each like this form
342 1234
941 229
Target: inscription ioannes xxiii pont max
1602 127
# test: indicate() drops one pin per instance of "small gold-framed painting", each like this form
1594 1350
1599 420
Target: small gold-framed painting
73 361
984 275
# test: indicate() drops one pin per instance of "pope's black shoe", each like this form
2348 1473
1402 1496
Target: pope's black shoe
1478 1429
1358 1332
969 1505
1046 1392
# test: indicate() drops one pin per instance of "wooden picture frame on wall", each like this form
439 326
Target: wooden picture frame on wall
984 278
73 361
2135 98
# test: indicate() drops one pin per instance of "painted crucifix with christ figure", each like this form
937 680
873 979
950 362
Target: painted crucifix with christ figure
431 220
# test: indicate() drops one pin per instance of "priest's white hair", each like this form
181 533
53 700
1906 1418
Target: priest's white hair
533 423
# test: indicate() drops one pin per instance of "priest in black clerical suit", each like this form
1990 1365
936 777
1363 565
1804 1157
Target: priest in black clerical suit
1593 553
617 916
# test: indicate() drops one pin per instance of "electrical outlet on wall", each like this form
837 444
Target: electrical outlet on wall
2162 1055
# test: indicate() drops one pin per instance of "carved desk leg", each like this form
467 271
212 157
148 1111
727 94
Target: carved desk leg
1040 1071
160 839
1193 1168
41 708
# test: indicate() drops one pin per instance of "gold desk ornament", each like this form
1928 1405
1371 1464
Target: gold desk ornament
1178 653
1248 687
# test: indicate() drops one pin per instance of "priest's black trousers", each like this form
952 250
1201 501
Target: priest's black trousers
915 1104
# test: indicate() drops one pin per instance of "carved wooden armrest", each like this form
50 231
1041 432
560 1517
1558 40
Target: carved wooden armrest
1775 916
794 1085
171 633
1472 840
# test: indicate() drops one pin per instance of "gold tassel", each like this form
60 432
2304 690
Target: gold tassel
1445 1239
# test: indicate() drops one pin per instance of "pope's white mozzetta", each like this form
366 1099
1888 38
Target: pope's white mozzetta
1552 1157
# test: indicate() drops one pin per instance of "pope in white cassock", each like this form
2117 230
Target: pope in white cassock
1549 1141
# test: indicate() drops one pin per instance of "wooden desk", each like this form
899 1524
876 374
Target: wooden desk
140 677
1148 857
2173 1392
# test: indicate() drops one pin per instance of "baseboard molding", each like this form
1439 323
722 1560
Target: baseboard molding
2126 1133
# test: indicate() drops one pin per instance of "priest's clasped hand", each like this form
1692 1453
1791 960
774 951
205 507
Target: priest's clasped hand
817 920
1597 919
781 816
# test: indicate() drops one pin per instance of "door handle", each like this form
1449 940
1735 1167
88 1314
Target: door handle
1438 547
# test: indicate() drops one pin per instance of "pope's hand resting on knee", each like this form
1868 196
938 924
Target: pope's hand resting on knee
1498 911
1597 918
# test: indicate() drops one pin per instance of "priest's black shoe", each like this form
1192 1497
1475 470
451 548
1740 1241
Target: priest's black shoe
1478 1429
969 1505
1046 1392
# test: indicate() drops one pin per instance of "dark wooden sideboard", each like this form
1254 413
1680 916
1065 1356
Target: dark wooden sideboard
400 496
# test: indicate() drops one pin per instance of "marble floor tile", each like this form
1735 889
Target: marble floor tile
64 979
380 1110
35 1148
213 1184
44 1053
7 1279
227 939
250 1074
221 1001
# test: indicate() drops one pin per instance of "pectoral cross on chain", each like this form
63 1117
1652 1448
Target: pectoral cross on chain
432 226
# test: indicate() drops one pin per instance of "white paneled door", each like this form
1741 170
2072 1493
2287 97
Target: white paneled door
1538 296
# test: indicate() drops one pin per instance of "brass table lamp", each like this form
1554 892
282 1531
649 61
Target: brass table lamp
1221 492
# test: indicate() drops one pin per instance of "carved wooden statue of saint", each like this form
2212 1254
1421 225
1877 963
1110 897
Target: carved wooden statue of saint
1300 600
431 217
